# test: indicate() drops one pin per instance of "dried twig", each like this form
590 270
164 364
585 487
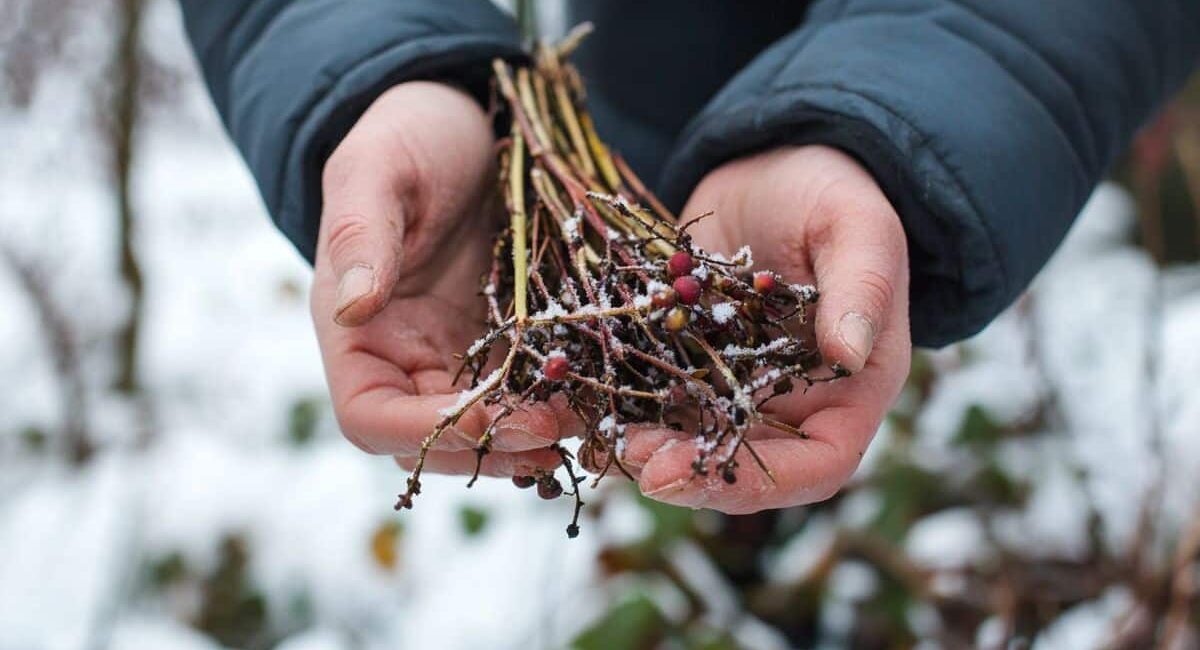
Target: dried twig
610 303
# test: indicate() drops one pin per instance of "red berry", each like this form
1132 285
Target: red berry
764 282
663 298
677 319
524 481
549 488
556 368
681 263
688 289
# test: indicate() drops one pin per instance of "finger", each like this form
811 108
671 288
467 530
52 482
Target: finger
802 471
362 231
385 420
643 441
839 420
861 265
495 464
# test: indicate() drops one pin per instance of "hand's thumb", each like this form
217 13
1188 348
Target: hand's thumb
363 231
858 279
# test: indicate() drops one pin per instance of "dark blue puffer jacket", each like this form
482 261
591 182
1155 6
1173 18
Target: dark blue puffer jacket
987 122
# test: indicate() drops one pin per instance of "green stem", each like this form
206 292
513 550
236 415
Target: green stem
516 179
527 21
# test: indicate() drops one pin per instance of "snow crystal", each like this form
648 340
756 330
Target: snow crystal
723 312
552 310
570 227
806 292
469 396
477 346
776 345
744 257
607 424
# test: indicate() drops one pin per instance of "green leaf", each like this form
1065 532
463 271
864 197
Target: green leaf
710 639
997 487
978 429
635 624
908 491
670 522
473 520
168 569
303 417
34 438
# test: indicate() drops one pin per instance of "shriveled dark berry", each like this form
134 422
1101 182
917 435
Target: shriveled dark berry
524 481
549 488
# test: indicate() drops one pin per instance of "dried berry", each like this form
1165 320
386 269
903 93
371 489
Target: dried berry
688 289
556 368
524 482
664 298
729 475
549 488
680 264
677 319
765 282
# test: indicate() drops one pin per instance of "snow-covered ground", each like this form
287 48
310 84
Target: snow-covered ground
229 349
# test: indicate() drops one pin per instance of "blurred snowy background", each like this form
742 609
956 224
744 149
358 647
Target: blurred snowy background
171 476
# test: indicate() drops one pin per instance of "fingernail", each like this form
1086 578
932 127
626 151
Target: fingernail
643 442
356 282
665 491
858 335
676 493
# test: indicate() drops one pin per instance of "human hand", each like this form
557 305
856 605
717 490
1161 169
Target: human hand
405 236
813 215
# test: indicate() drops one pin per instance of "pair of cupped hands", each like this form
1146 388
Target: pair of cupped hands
406 232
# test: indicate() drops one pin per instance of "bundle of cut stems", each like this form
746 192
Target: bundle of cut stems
597 293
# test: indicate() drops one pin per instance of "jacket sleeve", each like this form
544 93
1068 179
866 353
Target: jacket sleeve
290 77
988 123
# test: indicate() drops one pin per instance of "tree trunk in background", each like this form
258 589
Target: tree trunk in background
63 345
125 79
